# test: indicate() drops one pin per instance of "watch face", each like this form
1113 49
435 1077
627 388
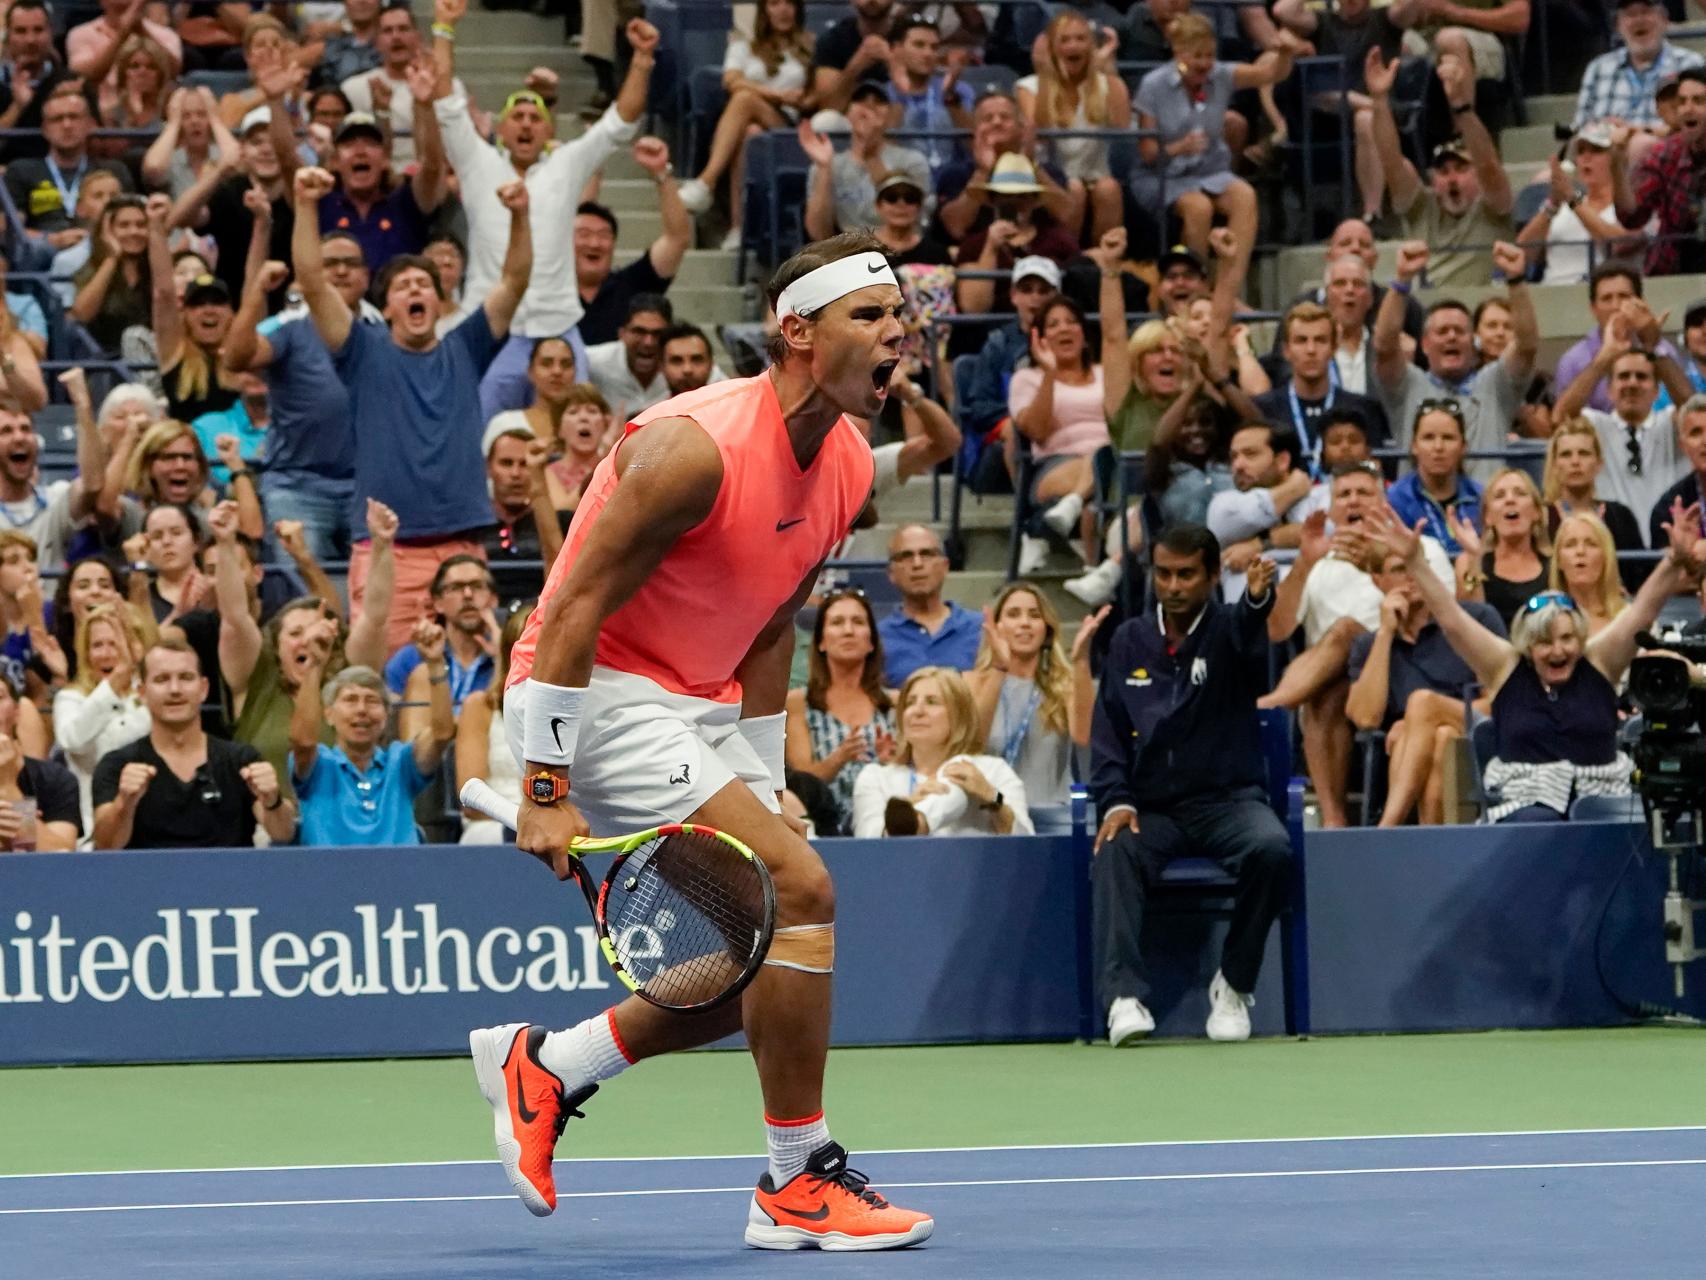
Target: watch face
543 788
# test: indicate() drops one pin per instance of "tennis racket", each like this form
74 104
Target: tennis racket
685 913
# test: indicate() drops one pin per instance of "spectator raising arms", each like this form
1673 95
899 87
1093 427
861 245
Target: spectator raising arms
1188 168
938 783
482 742
841 189
844 717
101 710
766 80
357 791
1554 690
1073 89
1033 701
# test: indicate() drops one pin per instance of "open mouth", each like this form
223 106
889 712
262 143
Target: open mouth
416 312
882 373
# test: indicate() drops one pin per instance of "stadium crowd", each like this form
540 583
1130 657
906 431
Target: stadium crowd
374 337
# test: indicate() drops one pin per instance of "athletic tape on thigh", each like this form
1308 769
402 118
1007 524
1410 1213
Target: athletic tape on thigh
810 948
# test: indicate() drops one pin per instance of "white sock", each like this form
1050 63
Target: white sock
586 1053
791 1145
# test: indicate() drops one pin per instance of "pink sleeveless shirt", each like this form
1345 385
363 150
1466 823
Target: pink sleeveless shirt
695 618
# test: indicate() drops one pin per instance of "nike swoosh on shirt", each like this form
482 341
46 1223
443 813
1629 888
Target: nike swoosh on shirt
528 1114
789 524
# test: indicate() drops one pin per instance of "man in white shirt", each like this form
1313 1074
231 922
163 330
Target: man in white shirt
555 182
1331 593
629 371
1637 441
384 93
1270 498
48 513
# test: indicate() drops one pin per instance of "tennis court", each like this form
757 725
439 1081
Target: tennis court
1550 1153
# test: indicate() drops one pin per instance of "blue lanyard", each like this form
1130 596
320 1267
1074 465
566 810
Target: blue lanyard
67 195
1014 742
461 678
41 506
1312 447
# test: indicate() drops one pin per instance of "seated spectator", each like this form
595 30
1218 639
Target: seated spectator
277 66
528 529
262 666
115 289
687 362
98 187
222 204
387 216
178 788
1554 690
767 80
31 61
45 201
1578 223
1177 770
1141 374
385 92
1270 498
95 579
939 784
96 49
924 630
1437 492
358 792
1056 405
1693 355
1407 681
53 514
1033 700
463 603
1619 87
1188 169
101 710
1348 30
1574 460
173 535
406 384
843 717
450 256
1072 90
21 315
550 372
628 371
964 199
921 96
853 51
1021 228
147 77
1664 179
237 433
152 465
1488 394
1034 280
38 798
1186 464
606 290
900 224
1584 567
193 139
1615 297
29 655
1331 593
482 744
131 407
841 189
1308 340
1494 333
354 47
583 431
1640 438
189 335
1509 559
1466 204
1691 440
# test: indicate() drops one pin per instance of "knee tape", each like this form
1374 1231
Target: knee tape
810 948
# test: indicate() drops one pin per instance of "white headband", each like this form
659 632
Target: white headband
817 289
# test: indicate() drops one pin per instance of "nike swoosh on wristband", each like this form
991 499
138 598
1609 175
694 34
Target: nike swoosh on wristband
556 735
876 271
528 1114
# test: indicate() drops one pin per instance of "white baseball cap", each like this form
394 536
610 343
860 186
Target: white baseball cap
255 118
1037 265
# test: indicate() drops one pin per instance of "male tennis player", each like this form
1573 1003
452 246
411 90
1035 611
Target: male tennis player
648 688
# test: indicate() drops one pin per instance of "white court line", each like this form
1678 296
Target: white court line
970 1182
885 1151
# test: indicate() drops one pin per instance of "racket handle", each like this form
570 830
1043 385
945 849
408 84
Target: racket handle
480 797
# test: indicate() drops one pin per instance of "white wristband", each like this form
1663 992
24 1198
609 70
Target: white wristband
767 736
551 723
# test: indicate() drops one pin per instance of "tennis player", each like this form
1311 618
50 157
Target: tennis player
648 688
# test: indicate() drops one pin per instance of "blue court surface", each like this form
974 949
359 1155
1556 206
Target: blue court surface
1579 1203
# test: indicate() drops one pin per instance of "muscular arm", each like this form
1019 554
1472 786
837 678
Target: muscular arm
1366 705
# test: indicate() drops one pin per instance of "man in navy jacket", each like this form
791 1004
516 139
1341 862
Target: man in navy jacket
1177 771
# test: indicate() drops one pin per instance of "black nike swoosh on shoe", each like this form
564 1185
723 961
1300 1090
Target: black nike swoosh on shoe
789 524
817 1215
528 1114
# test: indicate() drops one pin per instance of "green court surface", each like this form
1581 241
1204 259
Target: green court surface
171 1117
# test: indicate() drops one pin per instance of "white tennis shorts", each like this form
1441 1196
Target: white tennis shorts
646 756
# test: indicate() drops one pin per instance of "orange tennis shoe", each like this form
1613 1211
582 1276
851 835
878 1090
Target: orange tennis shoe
529 1108
829 1206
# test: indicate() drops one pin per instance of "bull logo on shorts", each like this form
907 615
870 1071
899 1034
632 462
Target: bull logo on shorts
679 779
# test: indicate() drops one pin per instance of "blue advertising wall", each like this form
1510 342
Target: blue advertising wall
320 953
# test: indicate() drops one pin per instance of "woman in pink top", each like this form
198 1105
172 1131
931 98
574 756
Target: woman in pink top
1056 403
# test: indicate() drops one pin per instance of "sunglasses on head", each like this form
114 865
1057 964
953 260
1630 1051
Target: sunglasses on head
1545 598
1443 405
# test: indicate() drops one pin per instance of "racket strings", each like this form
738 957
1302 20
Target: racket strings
686 914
